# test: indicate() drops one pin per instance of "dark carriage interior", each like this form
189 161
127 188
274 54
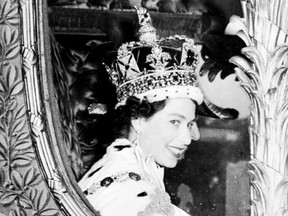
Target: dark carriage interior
212 180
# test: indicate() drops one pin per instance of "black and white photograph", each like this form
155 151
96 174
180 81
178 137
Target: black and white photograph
143 108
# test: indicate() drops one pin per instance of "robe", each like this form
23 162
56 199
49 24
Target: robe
126 183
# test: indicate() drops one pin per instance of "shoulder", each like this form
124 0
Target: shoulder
119 158
120 194
120 150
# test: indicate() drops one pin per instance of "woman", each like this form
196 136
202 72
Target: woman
158 95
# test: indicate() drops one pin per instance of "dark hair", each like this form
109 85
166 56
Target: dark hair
133 108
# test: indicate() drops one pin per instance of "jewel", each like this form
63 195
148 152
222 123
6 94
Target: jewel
106 182
134 176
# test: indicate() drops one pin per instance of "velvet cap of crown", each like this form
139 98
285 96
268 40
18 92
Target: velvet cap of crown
154 68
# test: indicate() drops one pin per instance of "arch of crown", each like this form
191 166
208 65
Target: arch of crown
264 77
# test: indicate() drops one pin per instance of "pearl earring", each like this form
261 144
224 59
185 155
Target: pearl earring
136 140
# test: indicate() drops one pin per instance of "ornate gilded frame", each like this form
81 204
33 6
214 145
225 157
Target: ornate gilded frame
264 30
35 178
30 120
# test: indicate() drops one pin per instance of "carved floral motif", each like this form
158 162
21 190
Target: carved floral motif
264 30
22 190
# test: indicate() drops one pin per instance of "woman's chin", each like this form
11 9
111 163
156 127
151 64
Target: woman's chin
172 165
169 163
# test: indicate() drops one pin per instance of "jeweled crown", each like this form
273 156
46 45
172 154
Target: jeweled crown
155 68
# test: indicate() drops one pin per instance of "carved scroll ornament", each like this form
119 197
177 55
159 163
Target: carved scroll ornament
264 30
30 164
41 105
22 189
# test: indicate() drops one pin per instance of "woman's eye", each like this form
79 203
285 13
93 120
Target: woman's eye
175 122
190 125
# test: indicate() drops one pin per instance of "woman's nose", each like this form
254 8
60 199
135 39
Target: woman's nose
195 133
189 133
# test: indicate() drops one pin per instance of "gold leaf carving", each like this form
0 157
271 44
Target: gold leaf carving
9 13
8 198
20 179
266 83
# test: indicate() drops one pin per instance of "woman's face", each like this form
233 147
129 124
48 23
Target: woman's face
168 133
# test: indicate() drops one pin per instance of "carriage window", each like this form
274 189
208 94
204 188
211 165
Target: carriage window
212 178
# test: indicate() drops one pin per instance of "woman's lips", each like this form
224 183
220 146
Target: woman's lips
176 151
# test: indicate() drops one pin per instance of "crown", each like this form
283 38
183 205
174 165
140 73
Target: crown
154 68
